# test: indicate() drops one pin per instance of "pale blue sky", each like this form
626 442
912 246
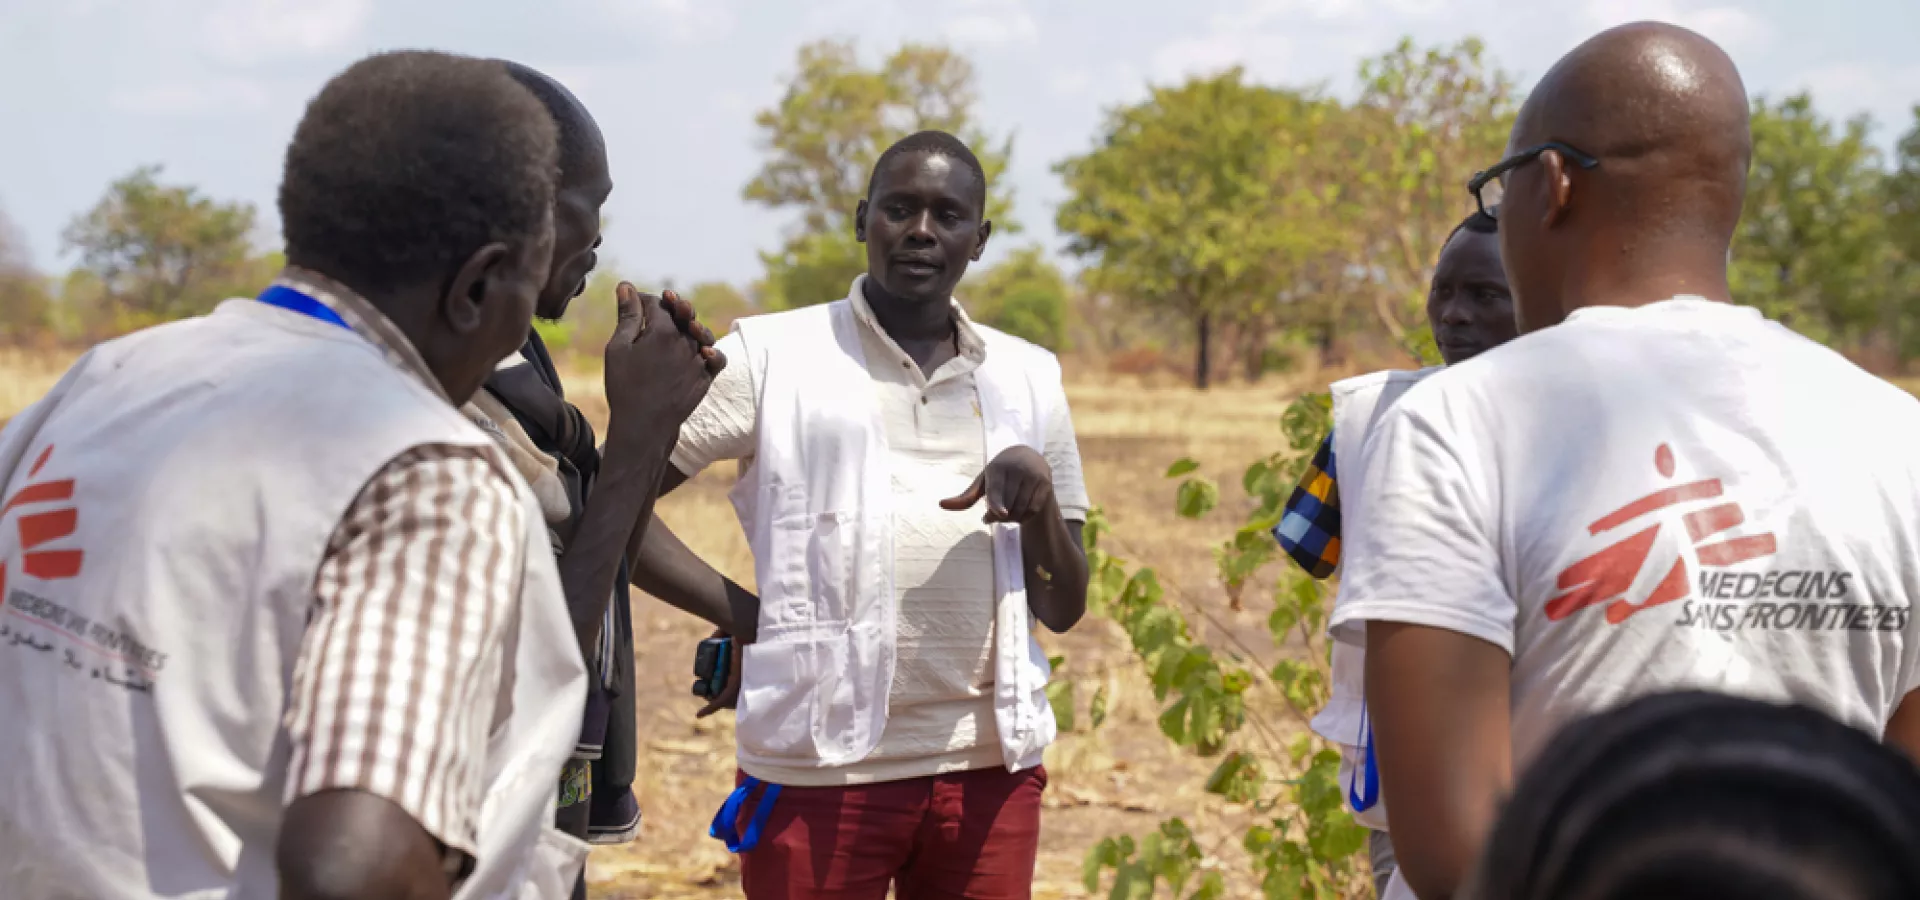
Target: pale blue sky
211 89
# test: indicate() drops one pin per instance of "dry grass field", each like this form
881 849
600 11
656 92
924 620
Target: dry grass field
1123 778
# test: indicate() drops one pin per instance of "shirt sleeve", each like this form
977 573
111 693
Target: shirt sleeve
1422 549
1309 529
726 423
1062 453
399 672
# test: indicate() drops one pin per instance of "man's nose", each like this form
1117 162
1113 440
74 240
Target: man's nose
1454 312
920 226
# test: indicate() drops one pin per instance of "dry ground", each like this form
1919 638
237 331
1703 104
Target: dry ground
1124 778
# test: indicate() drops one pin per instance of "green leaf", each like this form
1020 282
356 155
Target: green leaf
1110 853
1173 722
1132 882
1238 778
1060 697
1307 420
1184 466
1196 498
1212 887
1097 710
1281 621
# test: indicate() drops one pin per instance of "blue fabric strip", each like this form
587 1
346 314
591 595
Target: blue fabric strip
293 301
1364 794
725 822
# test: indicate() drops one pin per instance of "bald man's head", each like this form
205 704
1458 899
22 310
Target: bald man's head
584 186
1664 111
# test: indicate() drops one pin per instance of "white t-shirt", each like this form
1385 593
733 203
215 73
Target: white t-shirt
1683 495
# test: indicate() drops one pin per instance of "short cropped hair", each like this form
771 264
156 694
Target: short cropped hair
933 143
408 162
579 135
1668 793
1476 222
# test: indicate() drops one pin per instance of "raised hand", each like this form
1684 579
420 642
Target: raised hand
660 362
1017 485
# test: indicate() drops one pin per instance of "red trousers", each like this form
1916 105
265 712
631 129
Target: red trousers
965 836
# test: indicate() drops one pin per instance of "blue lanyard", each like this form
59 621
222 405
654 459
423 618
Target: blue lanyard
726 822
293 301
1363 795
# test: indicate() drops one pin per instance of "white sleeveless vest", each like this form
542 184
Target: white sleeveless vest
1357 405
816 509
211 460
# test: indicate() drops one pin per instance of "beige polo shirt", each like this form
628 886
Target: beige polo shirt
941 705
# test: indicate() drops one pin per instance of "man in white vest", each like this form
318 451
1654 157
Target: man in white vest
279 620
1470 310
1651 489
892 702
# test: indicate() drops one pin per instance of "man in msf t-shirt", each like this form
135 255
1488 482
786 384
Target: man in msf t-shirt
1651 489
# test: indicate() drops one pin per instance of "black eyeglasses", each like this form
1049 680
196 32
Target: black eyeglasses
1489 187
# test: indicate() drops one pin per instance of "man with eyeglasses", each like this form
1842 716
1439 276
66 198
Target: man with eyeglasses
1651 489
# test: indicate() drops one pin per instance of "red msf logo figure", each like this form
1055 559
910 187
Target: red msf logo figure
40 528
1609 574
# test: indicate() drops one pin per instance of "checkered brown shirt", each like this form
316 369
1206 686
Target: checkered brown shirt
398 676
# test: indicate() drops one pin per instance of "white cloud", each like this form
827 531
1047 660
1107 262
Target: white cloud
1888 92
192 98
992 23
1264 52
1069 82
244 32
1731 27
683 21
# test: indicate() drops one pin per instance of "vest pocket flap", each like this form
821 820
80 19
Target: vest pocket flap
777 684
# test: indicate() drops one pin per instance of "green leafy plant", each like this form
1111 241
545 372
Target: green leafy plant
1304 844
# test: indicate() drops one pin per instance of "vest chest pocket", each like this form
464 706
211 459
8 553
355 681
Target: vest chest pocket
810 569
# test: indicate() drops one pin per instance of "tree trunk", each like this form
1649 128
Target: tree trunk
1256 344
1203 364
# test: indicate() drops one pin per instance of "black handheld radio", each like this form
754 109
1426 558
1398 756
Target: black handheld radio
711 662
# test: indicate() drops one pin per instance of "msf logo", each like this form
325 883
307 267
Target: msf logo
39 526
1607 576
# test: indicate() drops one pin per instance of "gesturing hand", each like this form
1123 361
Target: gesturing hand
1017 485
660 362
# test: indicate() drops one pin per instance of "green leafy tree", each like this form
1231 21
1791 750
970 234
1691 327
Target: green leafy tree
1026 296
1812 245
822 139
163 251
1903 192
718 304
1189 202
1903 229
25 303
1426 121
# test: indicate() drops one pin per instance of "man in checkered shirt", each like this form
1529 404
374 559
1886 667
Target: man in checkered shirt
1471 310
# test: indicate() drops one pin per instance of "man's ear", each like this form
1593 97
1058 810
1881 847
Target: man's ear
467 293
1559 187
980 245
860 222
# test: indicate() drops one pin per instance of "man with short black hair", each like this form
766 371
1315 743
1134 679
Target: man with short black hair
302 636
889 665
1651 489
